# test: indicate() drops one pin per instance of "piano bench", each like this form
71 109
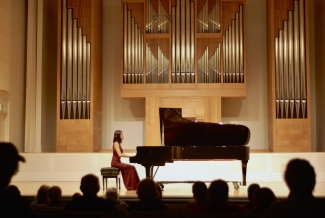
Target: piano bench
111 172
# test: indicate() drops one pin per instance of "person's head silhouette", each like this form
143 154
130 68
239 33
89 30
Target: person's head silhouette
147 190
200 192
218 192
300 177
263 198
9 159
250 191
89 185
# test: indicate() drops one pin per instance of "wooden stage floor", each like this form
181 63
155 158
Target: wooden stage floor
172 191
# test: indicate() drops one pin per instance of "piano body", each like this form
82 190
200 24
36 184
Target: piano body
184 139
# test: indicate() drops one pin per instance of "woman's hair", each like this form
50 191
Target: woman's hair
117 136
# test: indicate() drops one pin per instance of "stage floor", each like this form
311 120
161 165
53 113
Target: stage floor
171 191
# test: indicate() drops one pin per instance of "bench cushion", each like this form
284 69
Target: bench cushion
109 171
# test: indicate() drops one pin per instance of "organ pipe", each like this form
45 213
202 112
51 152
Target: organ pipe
133 47
209 66
291 97
75 68
156 18
182 36
208 19
183 42
233 50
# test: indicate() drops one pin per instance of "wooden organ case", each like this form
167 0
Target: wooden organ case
79 87
182 54
288 76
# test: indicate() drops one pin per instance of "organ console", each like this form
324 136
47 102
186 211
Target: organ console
183 139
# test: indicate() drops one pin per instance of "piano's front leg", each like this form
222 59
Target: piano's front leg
149 170
244 170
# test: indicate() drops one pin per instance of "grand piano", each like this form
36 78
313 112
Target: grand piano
184 139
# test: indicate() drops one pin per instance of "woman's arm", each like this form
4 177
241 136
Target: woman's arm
118 150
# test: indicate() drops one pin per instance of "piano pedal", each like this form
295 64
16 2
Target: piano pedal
160 186
236 185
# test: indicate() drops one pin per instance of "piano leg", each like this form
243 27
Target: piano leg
244 170
149 170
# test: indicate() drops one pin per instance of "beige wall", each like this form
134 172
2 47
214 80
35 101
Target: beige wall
12 68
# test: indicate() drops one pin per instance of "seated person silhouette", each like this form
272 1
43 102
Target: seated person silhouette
14 189
218 199
148 195
248 207
89 201
55 196
263 198
200 195
300 178
112 196
42 196
11 203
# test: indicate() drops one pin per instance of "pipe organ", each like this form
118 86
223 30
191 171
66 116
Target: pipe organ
290 68
182 53
208 16
289 75
169 49
133 43
79 76
75 62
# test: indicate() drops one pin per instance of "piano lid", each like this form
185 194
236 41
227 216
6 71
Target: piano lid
178 131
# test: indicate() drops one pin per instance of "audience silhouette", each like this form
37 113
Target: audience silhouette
218 198
76 195
89 201
300 178
55 196
42 196
148 195
14 189
250 194
200 195
11 203
112 196
263 198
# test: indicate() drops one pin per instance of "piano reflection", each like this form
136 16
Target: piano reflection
184 139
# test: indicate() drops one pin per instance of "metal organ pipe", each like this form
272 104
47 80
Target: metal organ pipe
209 22
183 42
156 21
233 50
133 47
75 68
69 64
63 61
291 97
209 68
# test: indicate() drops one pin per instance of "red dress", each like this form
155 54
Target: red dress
129 173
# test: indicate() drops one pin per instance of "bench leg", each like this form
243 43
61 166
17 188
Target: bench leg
103 183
